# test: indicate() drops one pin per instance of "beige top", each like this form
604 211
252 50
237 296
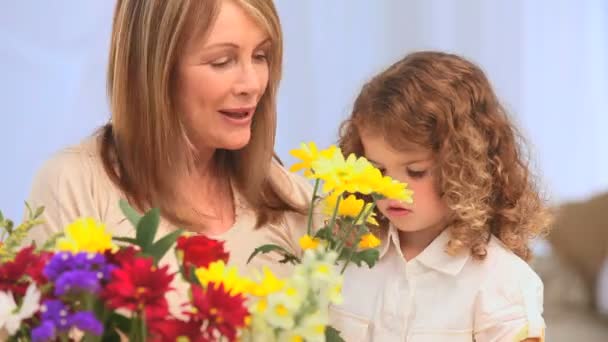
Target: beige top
73 184
438 297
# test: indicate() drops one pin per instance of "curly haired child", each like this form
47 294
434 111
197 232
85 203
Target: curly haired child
452 264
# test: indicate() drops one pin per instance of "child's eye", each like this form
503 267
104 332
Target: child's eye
416 174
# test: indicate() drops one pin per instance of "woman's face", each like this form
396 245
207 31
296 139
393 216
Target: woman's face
221 80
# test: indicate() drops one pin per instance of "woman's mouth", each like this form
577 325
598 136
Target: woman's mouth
238 115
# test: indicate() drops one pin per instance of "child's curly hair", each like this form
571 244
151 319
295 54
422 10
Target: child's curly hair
445 103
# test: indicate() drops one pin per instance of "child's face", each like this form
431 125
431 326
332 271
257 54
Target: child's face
413 166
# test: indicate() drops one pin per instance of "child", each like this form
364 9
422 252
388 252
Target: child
452 264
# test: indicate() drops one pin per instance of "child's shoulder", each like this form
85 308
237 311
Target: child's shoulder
504 271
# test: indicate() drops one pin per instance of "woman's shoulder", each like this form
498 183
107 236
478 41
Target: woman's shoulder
296 187
71 184
74 163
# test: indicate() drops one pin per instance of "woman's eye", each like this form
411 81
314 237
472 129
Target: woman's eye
260 57
220 63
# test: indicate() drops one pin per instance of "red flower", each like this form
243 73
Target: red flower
27 264
200 251
218 311
123 255
171 329
138 285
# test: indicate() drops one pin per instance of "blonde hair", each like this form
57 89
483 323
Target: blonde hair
145 139
445 103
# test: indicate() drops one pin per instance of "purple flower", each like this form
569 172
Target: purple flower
58 264
44 332
86 321
57 319
78 272
55 311
76 281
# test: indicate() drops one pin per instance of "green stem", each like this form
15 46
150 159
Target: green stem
332 222
142 327
350 228
359 234
312 206
350 254
347 231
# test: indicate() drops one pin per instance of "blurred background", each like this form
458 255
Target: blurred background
548 61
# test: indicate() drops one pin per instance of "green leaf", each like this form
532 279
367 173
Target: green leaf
131 214
51 242
368 256
128 240
287 257
332 334
29 209
110 335
324 233
120 322
38 212
146 229
162 246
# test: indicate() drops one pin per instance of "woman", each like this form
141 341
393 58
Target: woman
192 87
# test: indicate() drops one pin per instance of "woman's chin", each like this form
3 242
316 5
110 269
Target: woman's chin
236 143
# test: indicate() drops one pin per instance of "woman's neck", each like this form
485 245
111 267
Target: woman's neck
206 198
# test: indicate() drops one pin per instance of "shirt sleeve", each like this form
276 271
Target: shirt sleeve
509 308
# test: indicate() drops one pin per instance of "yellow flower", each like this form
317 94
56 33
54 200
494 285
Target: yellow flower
369 240
85 235
350 206
308 242
372 180
268 284
393 189
340 175
218 273
308 154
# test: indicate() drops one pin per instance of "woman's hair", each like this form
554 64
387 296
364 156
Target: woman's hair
445 103
145 142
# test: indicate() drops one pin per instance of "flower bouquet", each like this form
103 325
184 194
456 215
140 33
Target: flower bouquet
82 285
350 188
346 189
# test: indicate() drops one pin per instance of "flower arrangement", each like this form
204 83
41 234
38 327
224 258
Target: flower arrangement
87 285
350 188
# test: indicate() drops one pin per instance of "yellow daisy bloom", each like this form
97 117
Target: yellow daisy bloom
308 154
350 206
85 235
308 242
218 273
267 285
369 240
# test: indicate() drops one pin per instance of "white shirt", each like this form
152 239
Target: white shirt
439 297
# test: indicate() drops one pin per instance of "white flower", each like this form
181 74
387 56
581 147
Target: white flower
11 316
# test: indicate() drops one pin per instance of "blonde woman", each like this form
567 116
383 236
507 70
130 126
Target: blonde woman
192 87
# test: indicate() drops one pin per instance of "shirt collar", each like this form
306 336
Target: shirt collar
434 256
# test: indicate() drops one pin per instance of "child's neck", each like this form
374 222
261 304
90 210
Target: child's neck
413 243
